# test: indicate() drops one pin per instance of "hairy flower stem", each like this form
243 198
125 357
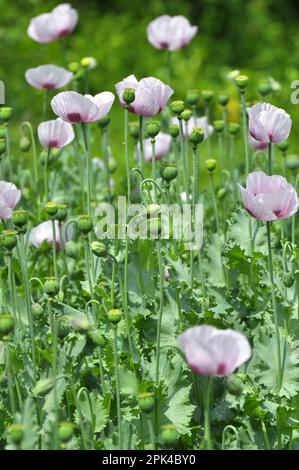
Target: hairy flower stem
151 432
46 174
153 141
8 154
274 305
220 152
270 158
117 388
207 115
11 394
127 154
54 248
207 442
141 144
79 159
87 163
45 104
158 340
233 165
183 158
212 185
106 161
54 328
195 159
178 165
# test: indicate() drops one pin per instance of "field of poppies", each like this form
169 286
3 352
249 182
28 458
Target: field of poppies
149 300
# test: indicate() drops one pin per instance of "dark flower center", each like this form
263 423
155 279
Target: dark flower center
74 117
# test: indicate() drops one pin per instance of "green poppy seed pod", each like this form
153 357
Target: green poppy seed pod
19 218
37 310
242 82
24 144
264 88
99 249
134 130
169 435
5 113
221 193
2 131
97 338
61 214
197 136
71 249
112 165
233 385
233 128
192 97
89 63
288 280
211 164
65 431
7 323
146 402
177 107
8 239
168 171
81 324
104 121
207 95
114 315
51 286
16 432
2 146
174 130
85 224
219 126
43 387
283 146
223 99
186 114
293 162
51 208
63 329
73 66
152 129
128 95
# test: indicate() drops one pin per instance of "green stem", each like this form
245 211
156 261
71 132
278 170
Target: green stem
54 370
46 175
161 279
245 131
151 433
45 103
87 163
220 152
154 166
106 160
270 158
117 388
8 154
214 202
11 394
183 158
207 433
141 144
54 248
127 154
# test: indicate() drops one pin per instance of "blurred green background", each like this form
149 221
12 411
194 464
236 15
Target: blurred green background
258 37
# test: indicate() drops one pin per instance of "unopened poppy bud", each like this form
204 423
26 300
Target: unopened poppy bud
242 82
223 99
197 136
2 146
221 193
293 162
112 165
81 324
2 131
129 95
207 95
73 66
51 286
288 280
233 128
89 63
63 329
24 144
16 432
61 214
8 239
37 310
192 97
134 129
174 130
51 208
152 129
114 315
6 324
19 218
233 385
85 224
186 114
168 171
99 249
264 88
146 402
5 113
169 435
43 387
177 107
97 338
65 431
104 121
283 146
211 164
71 249
219 126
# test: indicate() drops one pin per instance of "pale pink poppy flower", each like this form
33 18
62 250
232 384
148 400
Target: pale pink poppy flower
210 351
269 197
268 124
48 77
256 144
151 95
55 133
44 233
73 107
170 32
57 24
195 122
9 198
162 147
